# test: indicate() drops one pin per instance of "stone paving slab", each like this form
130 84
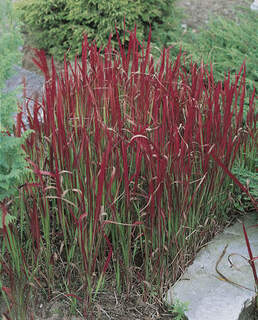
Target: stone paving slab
209 297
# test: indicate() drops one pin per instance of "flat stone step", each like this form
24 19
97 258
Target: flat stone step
209 296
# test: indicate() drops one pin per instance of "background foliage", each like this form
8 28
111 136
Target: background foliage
57 26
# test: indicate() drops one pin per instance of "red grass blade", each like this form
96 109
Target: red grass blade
251 261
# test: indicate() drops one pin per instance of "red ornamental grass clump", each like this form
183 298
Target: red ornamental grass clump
124 178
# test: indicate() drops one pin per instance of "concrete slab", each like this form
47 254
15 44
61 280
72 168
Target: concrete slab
209 296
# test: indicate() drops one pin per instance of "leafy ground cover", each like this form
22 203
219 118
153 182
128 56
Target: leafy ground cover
125 184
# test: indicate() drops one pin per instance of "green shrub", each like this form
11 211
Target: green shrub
12 162
57 25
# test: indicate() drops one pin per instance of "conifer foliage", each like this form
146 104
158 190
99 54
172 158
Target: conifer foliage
57 26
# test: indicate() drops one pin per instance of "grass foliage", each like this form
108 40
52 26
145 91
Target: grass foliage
226 43
126 182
